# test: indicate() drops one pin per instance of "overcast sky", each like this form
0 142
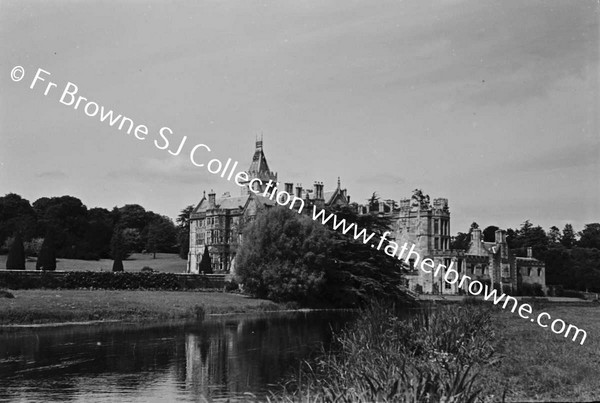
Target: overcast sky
491 104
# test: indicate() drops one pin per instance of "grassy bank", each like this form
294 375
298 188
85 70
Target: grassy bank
54 306
540 365
164 262
463 353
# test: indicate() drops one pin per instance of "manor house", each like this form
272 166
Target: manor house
217 223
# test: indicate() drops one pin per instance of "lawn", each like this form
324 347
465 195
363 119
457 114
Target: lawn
540 365
52 306
164 262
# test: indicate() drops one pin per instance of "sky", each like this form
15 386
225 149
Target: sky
491 104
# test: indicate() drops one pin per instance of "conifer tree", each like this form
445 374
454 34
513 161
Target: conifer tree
206 263
117 263
16 254
47 257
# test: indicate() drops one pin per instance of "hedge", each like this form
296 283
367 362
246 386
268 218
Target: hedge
107 280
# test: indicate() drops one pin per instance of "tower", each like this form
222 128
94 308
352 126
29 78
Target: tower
259 173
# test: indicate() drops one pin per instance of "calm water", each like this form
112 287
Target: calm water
218 359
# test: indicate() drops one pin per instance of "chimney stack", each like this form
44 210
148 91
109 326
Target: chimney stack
299 190
529 252
211 198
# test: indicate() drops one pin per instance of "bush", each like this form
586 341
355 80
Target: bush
532 290
147 269
6 294
430 357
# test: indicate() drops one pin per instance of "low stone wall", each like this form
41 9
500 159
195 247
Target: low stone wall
22 279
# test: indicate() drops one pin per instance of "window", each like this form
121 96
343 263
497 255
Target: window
436 227
436 243
200 238
539 271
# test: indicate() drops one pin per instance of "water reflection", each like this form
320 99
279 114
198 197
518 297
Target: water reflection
219 358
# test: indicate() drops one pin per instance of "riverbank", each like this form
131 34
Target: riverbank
60 306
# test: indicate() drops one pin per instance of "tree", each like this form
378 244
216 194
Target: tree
568 239
554 235
283 256
162 235
16 254
117 264
462 241
183 231
206 263
590 236
47 257
16 215
489 234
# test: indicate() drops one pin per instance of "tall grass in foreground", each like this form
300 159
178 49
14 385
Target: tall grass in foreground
433 356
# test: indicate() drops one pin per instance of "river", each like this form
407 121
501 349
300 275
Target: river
221 358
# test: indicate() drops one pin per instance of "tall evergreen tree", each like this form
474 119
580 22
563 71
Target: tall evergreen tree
206 263
568 239
16 254
47 257
117 263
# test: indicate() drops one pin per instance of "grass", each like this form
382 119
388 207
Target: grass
540 365
55 306
457 353
432 356
164 262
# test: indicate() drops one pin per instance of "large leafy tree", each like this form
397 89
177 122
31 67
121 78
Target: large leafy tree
162 235
589 237
284 256
489 233
16 215
16 254
289 257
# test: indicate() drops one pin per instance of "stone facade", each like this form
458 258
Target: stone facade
217 223
427 226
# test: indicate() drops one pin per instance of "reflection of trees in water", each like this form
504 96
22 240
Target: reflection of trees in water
246 355
215 358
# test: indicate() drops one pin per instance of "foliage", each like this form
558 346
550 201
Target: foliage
16 215
206 263
47 257
462 241
568 239
590 236
118 264
162 235
33 247
283 257
6 294
430 357
16 254
293 258
183 231
575 268
489 233
104 280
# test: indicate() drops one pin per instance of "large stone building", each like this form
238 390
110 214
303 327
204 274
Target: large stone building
217 223
427 226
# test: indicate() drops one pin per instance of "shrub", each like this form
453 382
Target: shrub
6 294
147 269
16 255
430 357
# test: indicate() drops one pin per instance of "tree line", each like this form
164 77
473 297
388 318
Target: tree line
63 227
572 258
